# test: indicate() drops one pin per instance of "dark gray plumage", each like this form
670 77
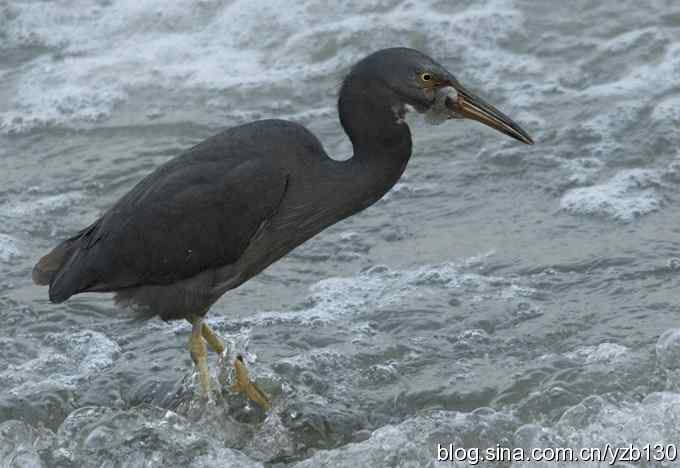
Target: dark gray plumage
212 218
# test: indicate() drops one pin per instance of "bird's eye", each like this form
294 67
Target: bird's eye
426 77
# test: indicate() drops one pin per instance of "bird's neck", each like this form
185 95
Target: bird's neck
381 140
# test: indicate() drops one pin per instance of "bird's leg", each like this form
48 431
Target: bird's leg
243 384
213 340
199 354
217 345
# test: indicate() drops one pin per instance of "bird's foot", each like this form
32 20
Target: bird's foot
243 384
202 334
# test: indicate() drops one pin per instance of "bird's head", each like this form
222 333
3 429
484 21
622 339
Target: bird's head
414 81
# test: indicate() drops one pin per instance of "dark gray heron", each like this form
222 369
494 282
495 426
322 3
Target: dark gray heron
215 216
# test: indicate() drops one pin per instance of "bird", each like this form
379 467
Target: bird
215 216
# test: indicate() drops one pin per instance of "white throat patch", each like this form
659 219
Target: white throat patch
401 111
437 114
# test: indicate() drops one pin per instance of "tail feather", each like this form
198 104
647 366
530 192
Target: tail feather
57 268
67 281
48 266
53 268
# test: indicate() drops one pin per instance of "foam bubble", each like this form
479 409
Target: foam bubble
144 436
38 206
645 75
581 171
93 59
409 190
20 443
668 349
667 110
602 353
379 288
596 421
413 443
64 360
9 248
625 197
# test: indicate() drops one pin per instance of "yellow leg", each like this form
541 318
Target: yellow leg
213 340
199 354
201 332
217 345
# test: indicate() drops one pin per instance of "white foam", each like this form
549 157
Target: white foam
20 443
378 288
596 421
668 349
602 353
144 436
224 458
667 110
646 75
38 206
272 440
625 197
9 248
101 55
413 443
581 171
409 190
65 360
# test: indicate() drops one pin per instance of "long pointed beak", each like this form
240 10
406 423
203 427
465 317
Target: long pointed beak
473 107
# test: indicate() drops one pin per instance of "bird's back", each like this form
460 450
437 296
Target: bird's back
195 213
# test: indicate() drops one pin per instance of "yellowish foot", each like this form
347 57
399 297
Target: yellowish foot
200 334
199 354
244 385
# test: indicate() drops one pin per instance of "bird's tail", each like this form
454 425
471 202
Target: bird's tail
48 266
47 270
57 268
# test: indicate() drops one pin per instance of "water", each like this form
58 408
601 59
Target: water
500 294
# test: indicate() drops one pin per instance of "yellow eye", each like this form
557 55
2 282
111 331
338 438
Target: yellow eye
425 77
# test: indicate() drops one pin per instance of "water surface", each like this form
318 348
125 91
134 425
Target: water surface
499 294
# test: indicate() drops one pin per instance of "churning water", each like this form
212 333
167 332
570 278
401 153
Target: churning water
499 294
